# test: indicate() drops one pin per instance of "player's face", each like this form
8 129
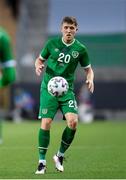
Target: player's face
68 31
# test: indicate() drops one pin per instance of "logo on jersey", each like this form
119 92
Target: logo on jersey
44 111
56 49
75 54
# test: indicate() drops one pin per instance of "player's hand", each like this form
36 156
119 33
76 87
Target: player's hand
39 65
90 85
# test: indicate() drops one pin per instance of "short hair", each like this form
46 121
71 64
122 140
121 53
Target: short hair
70 20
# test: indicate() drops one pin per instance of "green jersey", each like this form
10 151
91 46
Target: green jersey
63 59
7 63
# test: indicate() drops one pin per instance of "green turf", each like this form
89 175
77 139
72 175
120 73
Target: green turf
98 151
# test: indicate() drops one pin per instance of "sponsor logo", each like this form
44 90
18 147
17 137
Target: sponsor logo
56 49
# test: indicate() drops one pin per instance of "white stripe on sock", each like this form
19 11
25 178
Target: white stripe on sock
59 154
43 161
42 148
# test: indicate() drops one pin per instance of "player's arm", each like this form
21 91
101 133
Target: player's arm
85 62
7 76
89 79
39 65
8 71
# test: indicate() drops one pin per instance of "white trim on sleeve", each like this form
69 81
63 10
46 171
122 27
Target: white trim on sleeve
43 59
87 66
10 63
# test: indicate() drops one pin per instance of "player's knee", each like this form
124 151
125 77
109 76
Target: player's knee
46 123
72 123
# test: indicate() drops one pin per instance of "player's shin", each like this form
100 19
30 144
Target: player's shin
67 138
44 139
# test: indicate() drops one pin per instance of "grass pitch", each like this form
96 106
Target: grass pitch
98 151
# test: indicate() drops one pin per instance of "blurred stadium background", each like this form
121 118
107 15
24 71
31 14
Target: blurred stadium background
102 28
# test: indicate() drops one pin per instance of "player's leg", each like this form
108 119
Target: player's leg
67 138
43 140
69 108
69 131
48 108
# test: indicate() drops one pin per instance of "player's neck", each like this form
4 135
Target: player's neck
68 43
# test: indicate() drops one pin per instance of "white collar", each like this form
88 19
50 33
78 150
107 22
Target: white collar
68 44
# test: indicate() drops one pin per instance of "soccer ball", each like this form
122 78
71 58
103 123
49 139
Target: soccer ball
58 86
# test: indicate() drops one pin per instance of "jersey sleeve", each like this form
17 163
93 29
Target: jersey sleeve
8 76
6 49
45 51
7 63
84 59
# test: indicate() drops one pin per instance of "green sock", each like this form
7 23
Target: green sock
44 138
67 138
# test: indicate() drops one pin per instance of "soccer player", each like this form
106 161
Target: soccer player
63 55
7 64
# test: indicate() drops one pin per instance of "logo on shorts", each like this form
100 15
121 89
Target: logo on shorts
75 54
44 111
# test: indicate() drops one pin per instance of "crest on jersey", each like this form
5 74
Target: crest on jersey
44 111
75 54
